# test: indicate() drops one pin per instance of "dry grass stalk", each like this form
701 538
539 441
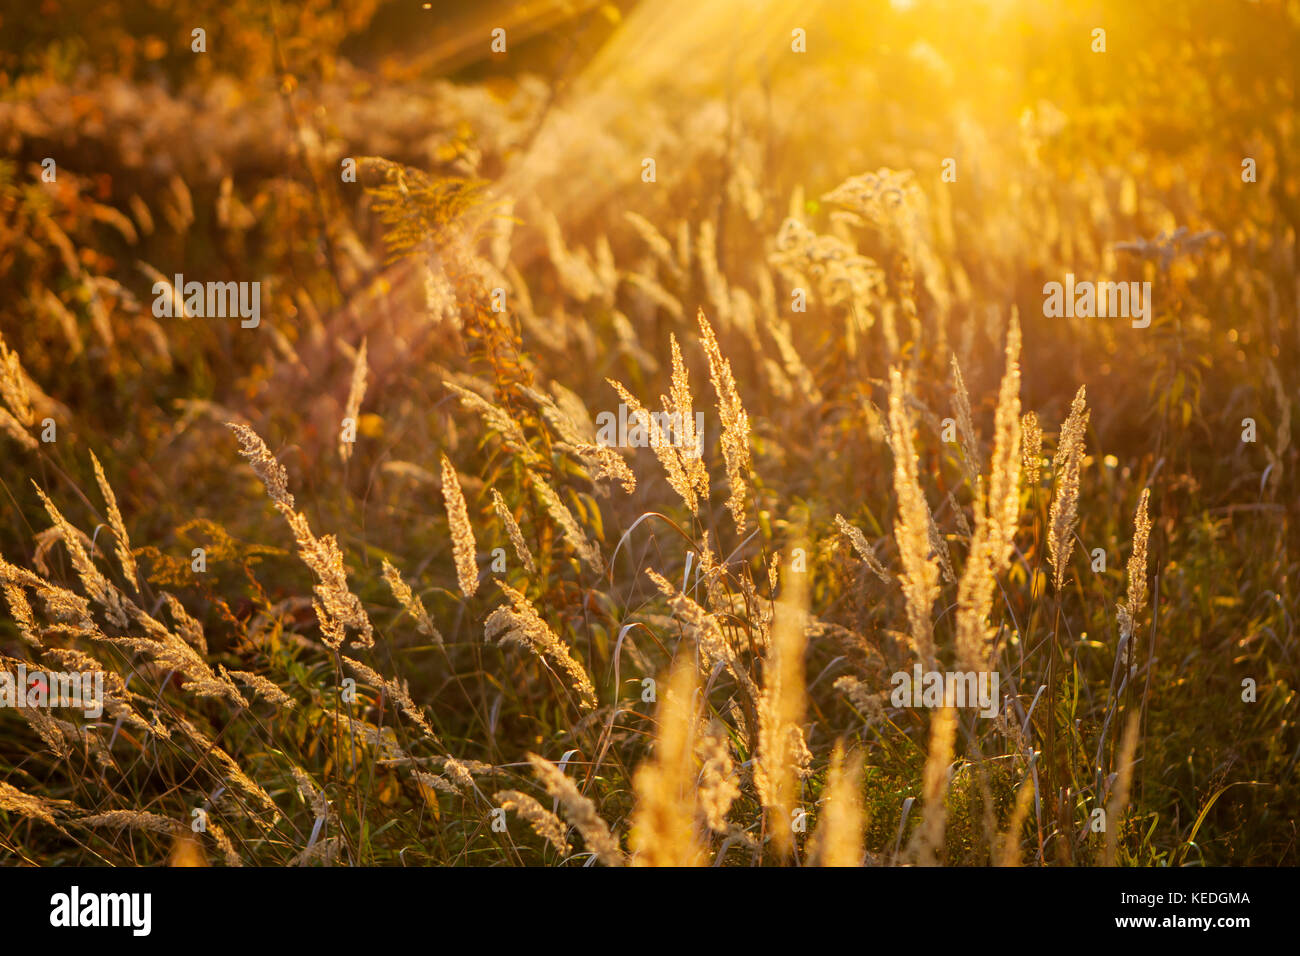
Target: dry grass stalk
862 546
839 837
544 823
512 529
1137 570
663 821
689 444
13 389
410 603
579 810
783 755
1066 465
337 608
499 421
920 577
269 690
735 422
674 463
100 589
132 820
717 788
234 775
13 800
396 693
707 633
519 623
462 534
930 835
996 519
1031 442
562 516
122 544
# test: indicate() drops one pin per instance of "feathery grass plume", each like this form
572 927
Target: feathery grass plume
21 611
122 544
190 630
571 421
356 392
463 547
1124 781
562 516
171 652
396 693
410 603
498 420
707 633
14 429
1065 466
689 445
839 837
678 477
45 726
1031 440
869 701
100 589
66 607
459 774
960 517
1137 570
13 388
996 518
1008 853
437 783
269 691
234 774
862 546
13 800
971 455
663 820
920 577
579 810
117 698
520 624
311 794
717 788
1004 469
132 820
512 529
782 752
544 823
939 545
928 842
337 608
227 848
735 422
